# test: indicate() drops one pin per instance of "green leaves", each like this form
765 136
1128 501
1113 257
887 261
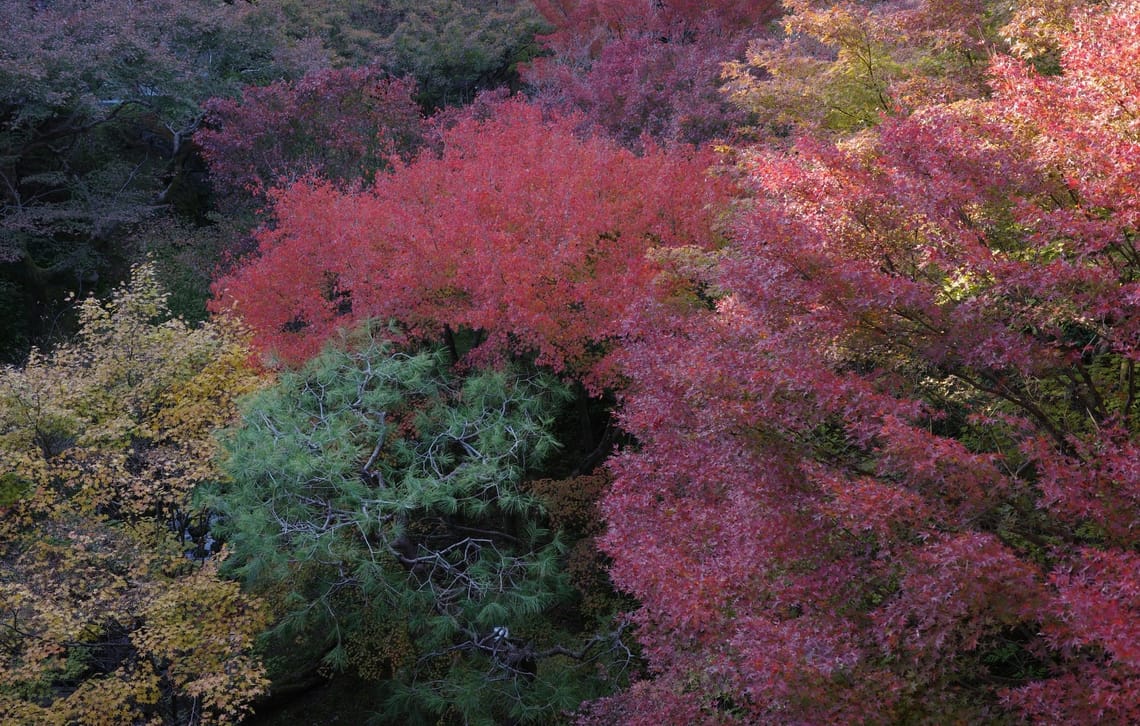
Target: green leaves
455 49
379 481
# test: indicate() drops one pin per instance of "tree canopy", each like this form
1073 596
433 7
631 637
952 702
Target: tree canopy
896 463
379 500
732 362
103 616
526 250
651 69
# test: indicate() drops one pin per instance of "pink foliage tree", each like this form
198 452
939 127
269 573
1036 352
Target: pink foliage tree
642 68
897 469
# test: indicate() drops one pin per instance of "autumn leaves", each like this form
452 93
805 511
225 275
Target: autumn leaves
871 368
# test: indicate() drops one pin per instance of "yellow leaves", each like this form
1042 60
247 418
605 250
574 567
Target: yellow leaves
35 410
80 592
122 697
205 401
686 275
200 628
127 364
842 25
834 67
1037 25
102 441
132 402
380 646
842 65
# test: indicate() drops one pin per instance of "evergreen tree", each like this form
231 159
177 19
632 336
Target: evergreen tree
378 501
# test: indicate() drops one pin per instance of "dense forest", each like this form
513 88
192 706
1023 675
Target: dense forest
569 361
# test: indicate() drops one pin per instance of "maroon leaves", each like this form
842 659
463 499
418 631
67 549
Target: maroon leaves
343 125
637 68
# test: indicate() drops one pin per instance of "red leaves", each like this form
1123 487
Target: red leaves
956 591
1096 483
542 248
1100 598
895 465
1087 120
1098 607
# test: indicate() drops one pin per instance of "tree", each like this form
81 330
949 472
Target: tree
522 250
103 617
638 68
894 469
845 65
378 503
457 48
452 48
98 105
342 125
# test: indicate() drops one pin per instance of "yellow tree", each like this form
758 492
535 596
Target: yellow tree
843 65
104 618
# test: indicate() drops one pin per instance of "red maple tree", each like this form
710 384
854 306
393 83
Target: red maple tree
521 230
896 470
